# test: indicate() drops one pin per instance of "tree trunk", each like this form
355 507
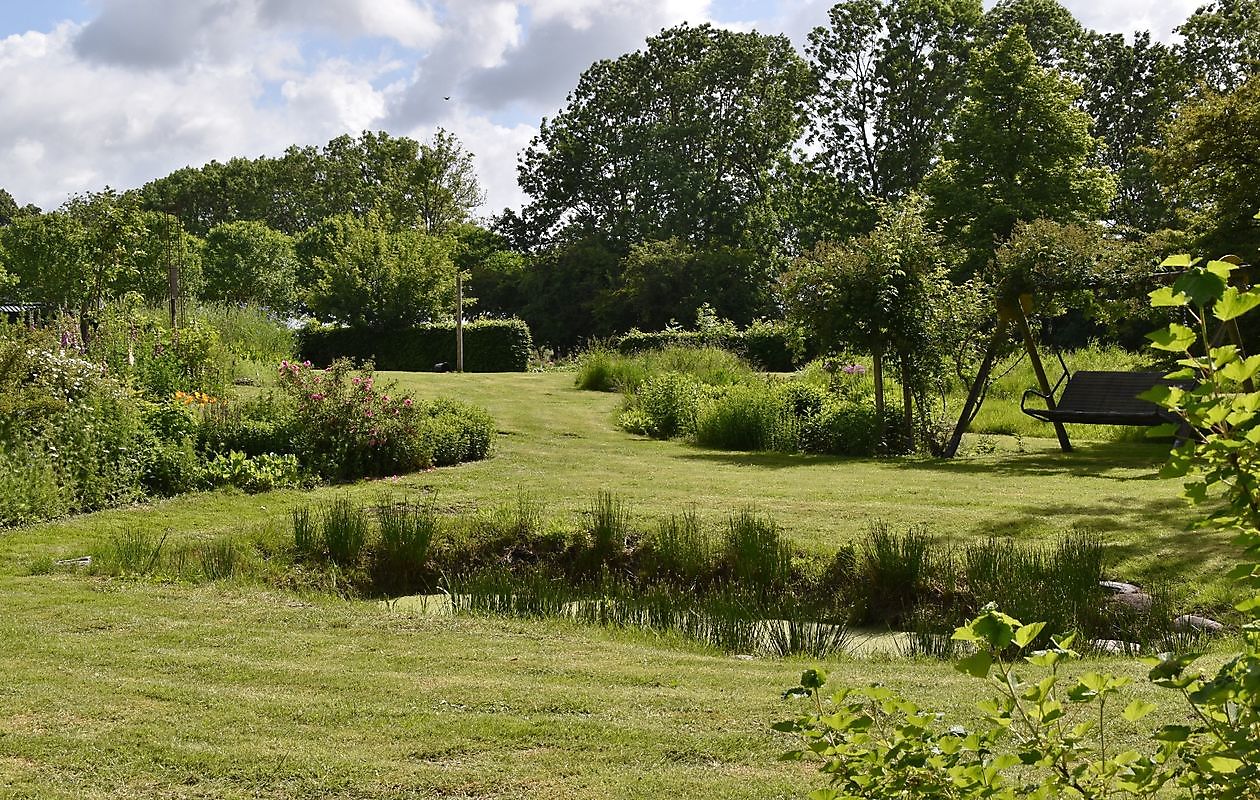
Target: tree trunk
877 374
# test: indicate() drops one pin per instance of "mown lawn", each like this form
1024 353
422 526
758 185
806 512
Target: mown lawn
123 688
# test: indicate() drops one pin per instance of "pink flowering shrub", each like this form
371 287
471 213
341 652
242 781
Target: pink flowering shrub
350 424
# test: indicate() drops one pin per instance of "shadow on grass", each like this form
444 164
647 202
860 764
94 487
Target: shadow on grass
1121 523
1093 459
767 460
1154 537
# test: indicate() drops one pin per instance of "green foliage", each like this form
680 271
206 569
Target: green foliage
249 333
666 280
770 346
490 345
344 527
602 369
1019 150
253 474
1222 43
873 743
426 185
1131 88
1054 34
756 555
633 128
1206 167
665 406
890 80
141 349
405 532
352 427
247 262
745 417
368 277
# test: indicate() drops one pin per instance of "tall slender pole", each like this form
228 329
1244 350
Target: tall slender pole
459 321
172 274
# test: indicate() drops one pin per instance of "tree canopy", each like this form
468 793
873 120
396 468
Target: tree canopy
430 186
678 139
1019 150
891 75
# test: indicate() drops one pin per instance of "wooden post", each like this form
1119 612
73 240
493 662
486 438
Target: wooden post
172 276
1031 345
977 386
459 321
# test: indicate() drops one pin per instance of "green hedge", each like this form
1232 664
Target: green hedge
490 345
771 346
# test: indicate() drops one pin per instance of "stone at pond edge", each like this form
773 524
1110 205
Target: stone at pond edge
1119 587
1115 647
1196 623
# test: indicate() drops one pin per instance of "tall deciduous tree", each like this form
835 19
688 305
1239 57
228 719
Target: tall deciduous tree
891 75
1221 43
369 276
1211 167
1131 90
429 185
678 139
1052 31
1019 151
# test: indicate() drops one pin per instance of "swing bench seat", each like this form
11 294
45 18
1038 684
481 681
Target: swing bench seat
1103 398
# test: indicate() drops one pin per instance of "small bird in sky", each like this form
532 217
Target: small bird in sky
448 97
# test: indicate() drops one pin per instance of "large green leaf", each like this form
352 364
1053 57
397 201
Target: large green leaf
1175 338
1234 303
1201 286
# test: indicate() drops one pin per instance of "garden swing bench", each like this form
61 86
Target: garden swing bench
1095 397
1088 397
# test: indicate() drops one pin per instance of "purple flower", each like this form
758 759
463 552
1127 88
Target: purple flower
853 369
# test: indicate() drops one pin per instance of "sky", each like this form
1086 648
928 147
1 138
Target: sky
118 92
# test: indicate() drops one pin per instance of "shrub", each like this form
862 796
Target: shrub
261 473
354 426
600 369
267 423
747 417
605 370
771 346
173 467
140 349
29 488
665 406
490 345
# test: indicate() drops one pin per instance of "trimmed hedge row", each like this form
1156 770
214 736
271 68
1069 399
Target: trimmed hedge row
770 346
490 345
